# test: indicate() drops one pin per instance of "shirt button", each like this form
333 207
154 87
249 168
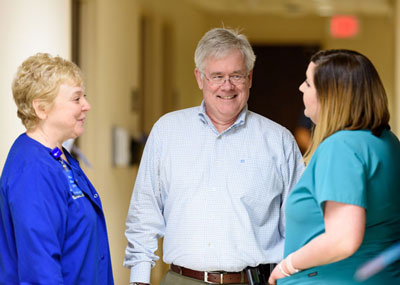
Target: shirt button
95 195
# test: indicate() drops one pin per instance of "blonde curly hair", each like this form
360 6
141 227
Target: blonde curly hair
39 78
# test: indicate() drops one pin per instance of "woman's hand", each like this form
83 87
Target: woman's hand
275 274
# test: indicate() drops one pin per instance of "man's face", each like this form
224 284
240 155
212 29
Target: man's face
225 101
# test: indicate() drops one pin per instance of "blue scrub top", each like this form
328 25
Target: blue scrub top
48 235
352 167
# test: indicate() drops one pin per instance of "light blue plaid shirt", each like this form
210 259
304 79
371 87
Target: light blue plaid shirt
217 198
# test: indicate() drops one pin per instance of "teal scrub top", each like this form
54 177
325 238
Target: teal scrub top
352 167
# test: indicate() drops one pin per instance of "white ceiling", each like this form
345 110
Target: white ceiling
298 7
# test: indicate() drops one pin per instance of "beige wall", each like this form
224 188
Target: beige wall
376 41
109 46
25 29
187 26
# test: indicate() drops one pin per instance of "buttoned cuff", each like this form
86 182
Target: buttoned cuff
141 272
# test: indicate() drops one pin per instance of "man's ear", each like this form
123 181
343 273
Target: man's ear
250 76
40 109
197 73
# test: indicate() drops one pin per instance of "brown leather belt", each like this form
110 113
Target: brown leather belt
214 277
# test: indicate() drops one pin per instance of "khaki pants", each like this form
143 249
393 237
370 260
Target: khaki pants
172 278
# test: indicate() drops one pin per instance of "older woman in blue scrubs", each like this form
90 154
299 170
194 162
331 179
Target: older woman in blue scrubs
345 209
53 229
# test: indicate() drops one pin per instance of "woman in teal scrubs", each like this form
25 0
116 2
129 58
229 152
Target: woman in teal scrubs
345 209
52 226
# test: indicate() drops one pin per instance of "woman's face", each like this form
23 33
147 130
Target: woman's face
66 117
310 97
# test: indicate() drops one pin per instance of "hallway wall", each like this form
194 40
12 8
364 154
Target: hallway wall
25 29
109 56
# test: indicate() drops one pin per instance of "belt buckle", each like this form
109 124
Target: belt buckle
221 278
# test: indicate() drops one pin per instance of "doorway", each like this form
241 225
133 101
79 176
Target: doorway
278 72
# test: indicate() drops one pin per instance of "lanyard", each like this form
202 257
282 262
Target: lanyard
73 187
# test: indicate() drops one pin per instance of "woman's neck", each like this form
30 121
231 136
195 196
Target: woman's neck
42 137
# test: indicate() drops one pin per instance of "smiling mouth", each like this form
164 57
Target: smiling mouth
227 97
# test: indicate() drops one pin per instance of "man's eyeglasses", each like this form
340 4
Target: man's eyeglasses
219 80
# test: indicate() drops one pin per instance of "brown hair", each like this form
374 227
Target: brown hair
350 93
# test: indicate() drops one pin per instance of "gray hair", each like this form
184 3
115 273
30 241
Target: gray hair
218 42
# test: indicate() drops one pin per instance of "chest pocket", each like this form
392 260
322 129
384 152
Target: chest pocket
255 178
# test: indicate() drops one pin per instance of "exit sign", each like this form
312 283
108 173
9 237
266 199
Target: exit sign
342 26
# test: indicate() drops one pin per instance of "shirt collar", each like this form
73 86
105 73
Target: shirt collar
240 120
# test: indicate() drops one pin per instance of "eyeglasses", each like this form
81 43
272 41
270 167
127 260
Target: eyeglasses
219 80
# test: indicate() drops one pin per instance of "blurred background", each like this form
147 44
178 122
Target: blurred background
137 56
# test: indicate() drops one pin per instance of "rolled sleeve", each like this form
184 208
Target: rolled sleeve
141 272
